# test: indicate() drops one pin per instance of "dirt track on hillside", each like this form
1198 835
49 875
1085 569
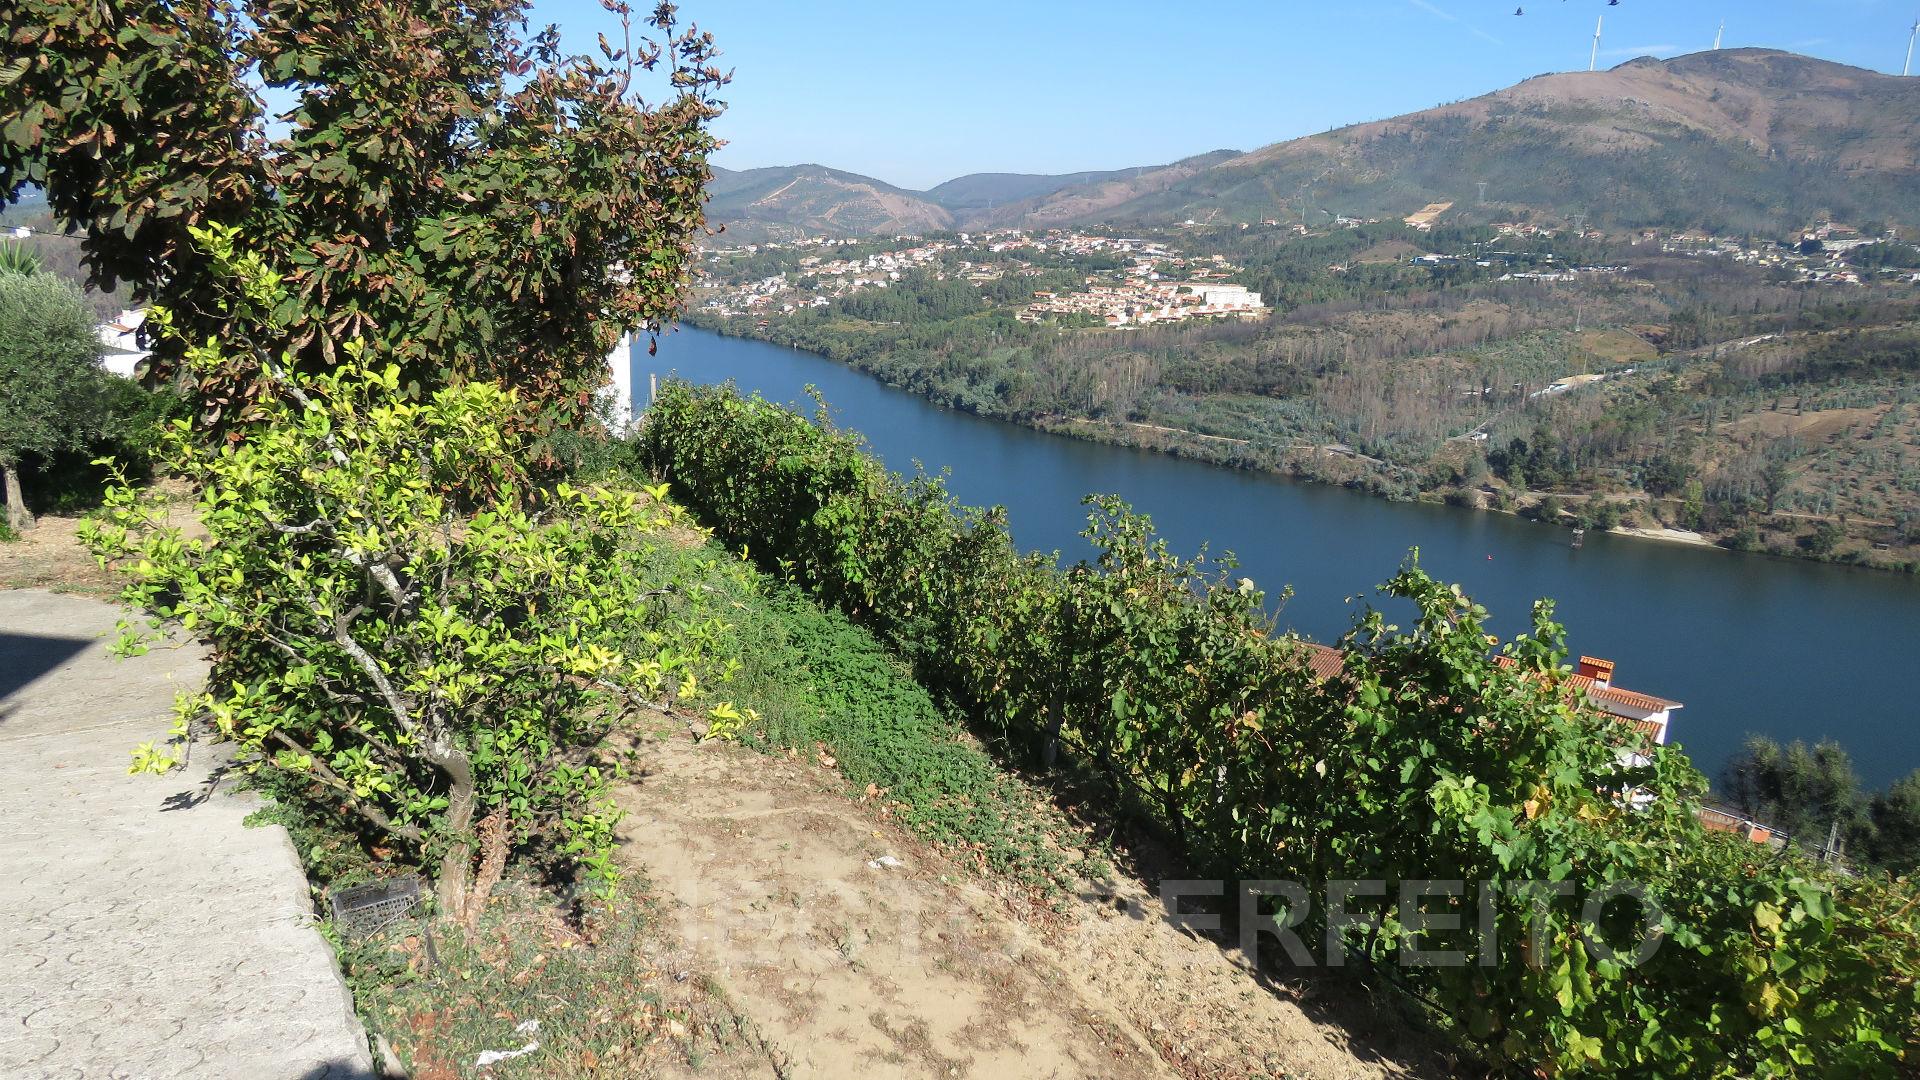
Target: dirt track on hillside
848 966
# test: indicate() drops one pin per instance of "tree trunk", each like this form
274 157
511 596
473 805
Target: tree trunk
456 866
493 863
17 517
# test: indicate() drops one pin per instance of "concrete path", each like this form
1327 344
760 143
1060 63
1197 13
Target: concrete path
144 931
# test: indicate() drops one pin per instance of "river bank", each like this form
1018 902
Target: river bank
1812 538
1669 536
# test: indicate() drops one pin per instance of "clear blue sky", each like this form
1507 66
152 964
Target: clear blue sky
915 93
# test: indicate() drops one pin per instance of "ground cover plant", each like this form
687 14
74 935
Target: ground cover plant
811 681
1429 757
602 995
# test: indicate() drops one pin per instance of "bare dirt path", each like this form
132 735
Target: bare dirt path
849 965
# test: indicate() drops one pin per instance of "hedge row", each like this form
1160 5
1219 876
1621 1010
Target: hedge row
1428 758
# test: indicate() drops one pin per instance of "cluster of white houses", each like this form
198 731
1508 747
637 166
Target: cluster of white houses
1142 303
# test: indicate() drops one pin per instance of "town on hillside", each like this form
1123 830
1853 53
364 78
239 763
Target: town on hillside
1124 281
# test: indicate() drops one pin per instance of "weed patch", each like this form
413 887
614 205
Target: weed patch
599 997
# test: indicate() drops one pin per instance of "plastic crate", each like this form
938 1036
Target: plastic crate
364 910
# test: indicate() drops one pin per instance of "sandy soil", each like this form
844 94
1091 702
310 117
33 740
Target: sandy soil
848 965
1676 536
48 557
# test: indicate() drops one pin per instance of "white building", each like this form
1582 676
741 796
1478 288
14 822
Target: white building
1237 297
120 340
1648 714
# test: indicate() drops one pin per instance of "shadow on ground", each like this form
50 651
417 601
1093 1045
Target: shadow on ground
24 658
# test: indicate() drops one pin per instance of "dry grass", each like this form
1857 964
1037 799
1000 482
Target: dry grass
610 997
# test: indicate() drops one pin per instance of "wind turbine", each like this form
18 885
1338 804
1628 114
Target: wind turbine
1914 33
1718 34
1594 60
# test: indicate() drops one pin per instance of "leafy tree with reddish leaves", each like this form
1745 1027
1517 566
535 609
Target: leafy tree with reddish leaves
446 186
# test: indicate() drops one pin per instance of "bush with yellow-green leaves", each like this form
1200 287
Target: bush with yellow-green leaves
405 626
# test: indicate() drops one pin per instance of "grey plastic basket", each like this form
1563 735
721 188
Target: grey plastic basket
364 910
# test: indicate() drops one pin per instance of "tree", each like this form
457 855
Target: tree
445 188
50 376
1798 790
1776 477
1825 537
406 630
1895 814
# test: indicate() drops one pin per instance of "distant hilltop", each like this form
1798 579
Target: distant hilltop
1731 140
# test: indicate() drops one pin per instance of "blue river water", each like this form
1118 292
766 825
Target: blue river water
1791 649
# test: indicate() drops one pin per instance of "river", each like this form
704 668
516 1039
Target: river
1790 649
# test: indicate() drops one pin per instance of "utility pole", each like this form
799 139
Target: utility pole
1483 192
1594 60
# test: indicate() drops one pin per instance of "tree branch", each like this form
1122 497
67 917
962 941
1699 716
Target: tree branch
373 814
396 703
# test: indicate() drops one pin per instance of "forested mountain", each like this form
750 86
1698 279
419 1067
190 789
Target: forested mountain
770 203
31 204
1732 140
1000 198
756 204
976 192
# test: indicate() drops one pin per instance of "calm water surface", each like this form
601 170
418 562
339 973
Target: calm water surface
1750 644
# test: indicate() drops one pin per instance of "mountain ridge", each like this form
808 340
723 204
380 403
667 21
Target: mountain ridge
1733 140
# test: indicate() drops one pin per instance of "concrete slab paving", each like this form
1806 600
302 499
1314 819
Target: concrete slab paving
144 930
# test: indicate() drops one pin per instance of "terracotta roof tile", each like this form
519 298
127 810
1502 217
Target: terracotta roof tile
1631 699
1326 662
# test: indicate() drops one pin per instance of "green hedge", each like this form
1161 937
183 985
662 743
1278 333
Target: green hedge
1424 760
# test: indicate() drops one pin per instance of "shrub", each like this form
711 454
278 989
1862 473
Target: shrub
131 421
404 626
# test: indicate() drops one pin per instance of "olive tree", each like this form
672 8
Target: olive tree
50 376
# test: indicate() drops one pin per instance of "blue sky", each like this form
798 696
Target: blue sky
916 93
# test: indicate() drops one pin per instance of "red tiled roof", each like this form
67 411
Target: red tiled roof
1325 661
1629 698
1328 662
